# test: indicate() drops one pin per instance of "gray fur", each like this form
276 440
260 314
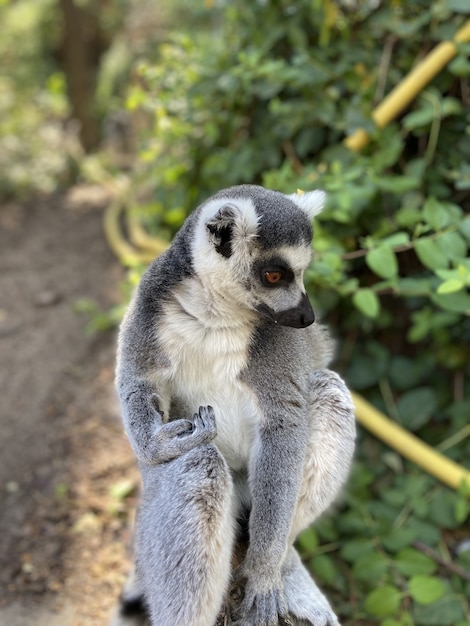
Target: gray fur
229 408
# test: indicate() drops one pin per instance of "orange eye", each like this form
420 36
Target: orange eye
273 277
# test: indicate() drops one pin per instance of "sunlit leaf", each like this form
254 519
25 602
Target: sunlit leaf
367 302
383 601
383 261
426 589
430 254
411 562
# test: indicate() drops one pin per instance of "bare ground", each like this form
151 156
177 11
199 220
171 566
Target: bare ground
68 483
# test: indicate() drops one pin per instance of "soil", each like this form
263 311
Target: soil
68 481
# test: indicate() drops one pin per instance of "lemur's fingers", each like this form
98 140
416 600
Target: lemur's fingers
262 609
204 428
208 417
175 438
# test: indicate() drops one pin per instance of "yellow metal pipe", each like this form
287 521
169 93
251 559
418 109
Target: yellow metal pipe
126 253
146 243
411 86
410 446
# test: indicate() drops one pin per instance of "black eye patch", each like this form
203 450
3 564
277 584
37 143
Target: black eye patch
275 274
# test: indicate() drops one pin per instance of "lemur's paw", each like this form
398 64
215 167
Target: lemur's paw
181 435
320 615
204 426
263 609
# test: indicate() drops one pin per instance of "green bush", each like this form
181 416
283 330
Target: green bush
268 98
34 149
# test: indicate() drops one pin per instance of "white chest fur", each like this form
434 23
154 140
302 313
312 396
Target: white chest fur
206 355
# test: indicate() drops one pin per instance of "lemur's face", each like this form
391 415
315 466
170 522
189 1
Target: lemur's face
278 288
252 248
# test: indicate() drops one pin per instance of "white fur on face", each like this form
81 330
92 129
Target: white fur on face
297 257
245 228
218 275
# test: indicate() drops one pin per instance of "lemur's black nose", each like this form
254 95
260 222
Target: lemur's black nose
299 316
306 320
307 315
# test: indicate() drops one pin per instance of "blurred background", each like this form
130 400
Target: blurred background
117 117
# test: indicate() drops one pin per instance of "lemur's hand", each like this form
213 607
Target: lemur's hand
204 428
264 603
175 438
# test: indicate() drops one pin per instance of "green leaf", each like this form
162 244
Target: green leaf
435 214
415 407
353 550
367 302
464 227
308 541
324 568
461 510
398 539
415 286
383 602
447 611
427 532
397 239
411 562
458 6
459 301
462 272
450 106
408 216
442 508
450 286
406 373
460 66
370 566
421 117
398 184
430 254
453 245
426 589
382 261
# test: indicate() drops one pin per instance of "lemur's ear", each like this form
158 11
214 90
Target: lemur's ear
312 202
228 227
221 227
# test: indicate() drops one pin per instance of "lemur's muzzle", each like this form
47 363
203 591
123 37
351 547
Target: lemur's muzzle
299 316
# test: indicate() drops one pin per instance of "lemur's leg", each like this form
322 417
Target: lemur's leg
330 449
185 531
329 456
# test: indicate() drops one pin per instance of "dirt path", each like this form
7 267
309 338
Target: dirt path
68 483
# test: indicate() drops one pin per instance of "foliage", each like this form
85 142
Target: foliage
39 147
271 104
33 104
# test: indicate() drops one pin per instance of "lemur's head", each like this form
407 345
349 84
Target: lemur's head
252 246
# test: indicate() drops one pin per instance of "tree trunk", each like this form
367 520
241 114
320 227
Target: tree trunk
82 47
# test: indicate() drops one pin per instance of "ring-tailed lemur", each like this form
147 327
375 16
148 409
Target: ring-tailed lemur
221 321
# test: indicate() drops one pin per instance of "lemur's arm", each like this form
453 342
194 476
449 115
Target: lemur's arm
153 440
275 478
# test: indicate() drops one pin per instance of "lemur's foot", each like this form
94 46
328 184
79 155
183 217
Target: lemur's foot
306 603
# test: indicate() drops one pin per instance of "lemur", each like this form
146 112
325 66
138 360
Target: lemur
232 413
